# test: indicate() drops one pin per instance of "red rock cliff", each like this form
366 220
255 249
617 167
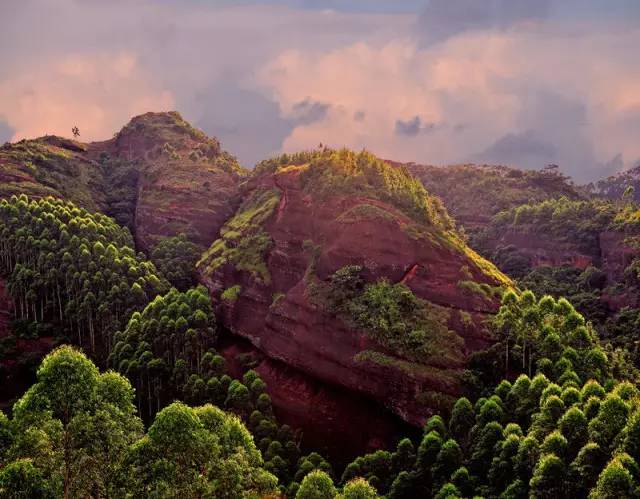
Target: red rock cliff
158 175
185 181
307 234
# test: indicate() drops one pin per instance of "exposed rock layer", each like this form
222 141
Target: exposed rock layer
282 321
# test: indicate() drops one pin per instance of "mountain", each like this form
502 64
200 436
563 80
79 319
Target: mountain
553 237
615 186
343 267
334 293
282 241
158 176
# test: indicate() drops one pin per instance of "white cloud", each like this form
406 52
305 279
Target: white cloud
529 84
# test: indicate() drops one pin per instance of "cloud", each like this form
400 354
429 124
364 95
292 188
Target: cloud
377 6
6 132
307 111
523 148
415 126
410 127
201 57
513 81
524 97
97 94
444 18
244 120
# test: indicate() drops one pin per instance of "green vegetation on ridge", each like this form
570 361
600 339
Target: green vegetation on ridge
329 173
50 166
475 192
244 242
391 315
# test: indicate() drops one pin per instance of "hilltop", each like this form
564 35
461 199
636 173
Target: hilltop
473 194
158 176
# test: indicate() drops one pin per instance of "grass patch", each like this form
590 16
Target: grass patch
231 294
244 242
482 290
465 318
365 212
276 298
50 166
391 315
328 173
446 377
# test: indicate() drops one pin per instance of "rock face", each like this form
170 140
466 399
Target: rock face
336 422
179 180
616 254
308 236
158 175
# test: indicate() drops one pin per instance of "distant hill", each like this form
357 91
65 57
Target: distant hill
474 193
615 186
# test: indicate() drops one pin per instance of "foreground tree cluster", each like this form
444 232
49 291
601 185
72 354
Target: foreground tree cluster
570 430
75 433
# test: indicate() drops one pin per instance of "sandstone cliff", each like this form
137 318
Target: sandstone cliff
304 219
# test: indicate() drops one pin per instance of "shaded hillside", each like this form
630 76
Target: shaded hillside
344 268
553 232
52 166
158 176
474 193
554 237
587 251
558 232
615 186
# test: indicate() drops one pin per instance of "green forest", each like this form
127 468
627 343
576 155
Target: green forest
510 376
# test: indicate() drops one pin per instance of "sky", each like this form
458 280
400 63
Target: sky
518 82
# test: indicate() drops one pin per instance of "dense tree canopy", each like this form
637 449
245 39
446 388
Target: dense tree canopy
551 412
74 268
565 427
176 257
75 433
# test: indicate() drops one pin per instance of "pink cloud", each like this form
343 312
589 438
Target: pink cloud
471 90
98 93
